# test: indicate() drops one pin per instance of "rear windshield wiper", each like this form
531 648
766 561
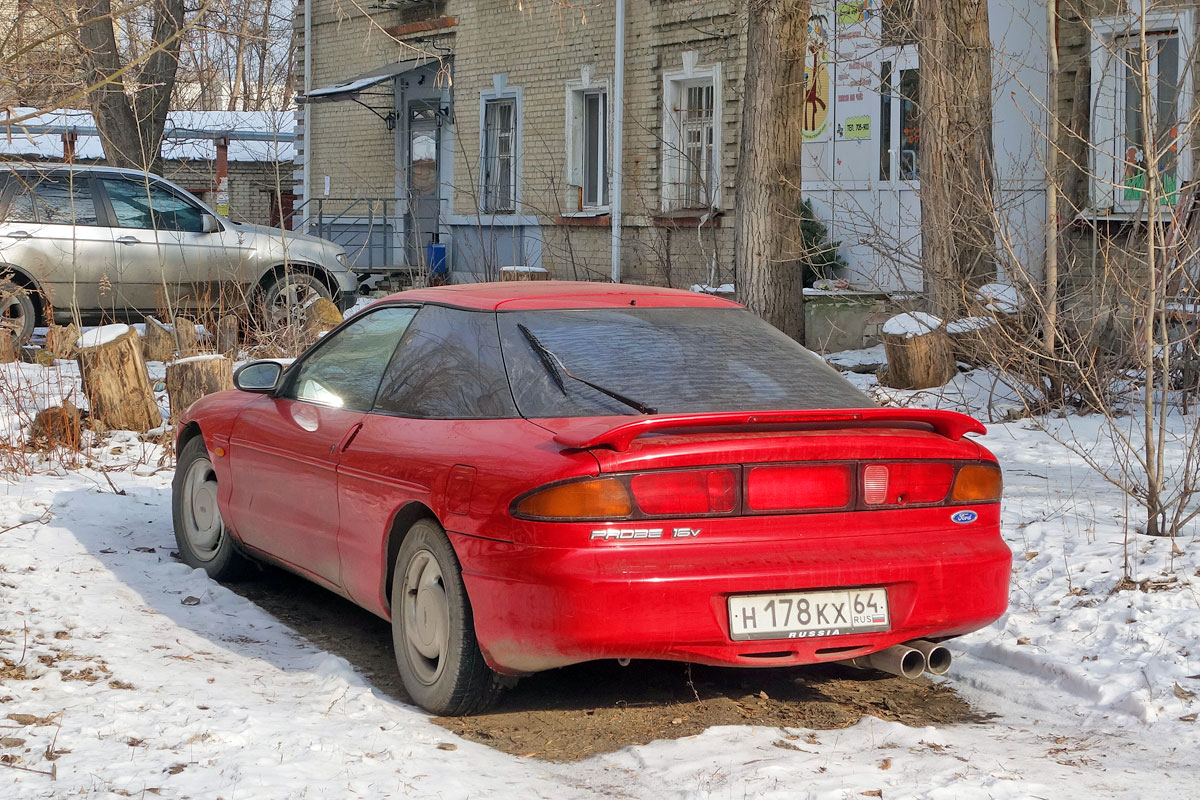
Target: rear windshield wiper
553 364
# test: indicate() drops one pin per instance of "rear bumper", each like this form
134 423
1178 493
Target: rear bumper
538 608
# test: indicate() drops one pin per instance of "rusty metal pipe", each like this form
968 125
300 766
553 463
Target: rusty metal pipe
937 657
898 659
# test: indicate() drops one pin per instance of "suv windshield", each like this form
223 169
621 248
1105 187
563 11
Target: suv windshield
674 360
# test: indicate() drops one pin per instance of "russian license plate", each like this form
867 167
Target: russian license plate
802 615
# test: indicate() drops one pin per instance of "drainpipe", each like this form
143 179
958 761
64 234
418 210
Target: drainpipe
618 117
306 168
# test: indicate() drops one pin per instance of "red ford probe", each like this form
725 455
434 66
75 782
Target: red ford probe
522 476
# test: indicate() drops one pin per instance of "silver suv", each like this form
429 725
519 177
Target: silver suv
111 242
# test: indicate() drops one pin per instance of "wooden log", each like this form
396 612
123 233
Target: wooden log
918 352
115 380
189 379
185 337
60 340
227 336
159 344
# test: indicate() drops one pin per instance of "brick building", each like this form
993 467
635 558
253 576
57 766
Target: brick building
490 126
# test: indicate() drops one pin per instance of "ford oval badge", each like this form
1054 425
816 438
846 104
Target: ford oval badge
963 517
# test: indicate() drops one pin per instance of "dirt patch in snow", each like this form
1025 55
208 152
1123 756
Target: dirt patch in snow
576 712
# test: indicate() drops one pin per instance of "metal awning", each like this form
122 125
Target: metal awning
349 90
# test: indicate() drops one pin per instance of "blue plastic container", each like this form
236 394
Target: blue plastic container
435 257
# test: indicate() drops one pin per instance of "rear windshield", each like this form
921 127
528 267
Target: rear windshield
670 360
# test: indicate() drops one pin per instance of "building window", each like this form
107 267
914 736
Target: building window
595 149
499 155
587 145
1137 92
1162 69
910 125
696 134
692 140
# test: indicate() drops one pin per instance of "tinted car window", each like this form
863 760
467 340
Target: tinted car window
138 205
449 366
58 200
345 370
674 360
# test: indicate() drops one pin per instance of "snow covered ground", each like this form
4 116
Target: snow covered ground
125 674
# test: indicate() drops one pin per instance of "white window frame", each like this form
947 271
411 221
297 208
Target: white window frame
500 92
675 86
576 131
1107 124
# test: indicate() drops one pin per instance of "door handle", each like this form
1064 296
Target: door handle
127 239
20 235
341 446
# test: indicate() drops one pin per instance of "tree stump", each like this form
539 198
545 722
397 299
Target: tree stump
320 316
10 351
227 336
189 379
160 341
57 426
60 340
185 337
115 380
974 340
918 352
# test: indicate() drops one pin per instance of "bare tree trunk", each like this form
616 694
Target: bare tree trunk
131 123
768 241
957 203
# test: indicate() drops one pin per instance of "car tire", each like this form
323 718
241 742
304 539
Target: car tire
17 312
433 629
286 296
203 539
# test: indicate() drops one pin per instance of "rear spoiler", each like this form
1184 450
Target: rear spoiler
950 424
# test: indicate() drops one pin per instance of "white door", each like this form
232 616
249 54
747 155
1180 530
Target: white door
899 171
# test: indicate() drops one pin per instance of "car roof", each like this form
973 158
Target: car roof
49 167
528 295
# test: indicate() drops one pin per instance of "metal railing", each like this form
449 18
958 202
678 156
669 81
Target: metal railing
370 228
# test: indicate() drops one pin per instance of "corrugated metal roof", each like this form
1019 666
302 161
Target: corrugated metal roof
253 135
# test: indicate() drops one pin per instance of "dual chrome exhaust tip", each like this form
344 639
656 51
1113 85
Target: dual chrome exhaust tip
907 660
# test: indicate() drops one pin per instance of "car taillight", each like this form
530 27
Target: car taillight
702 491
598 498
798 487
765 489
977 483
905 483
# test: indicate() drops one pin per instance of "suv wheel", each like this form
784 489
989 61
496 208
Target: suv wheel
17 314
288 295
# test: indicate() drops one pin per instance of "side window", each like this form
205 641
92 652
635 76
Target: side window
151 207
449 366
346 370
19 207
62 201
52 201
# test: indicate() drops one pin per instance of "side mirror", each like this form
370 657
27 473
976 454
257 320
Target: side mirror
261 377
209 224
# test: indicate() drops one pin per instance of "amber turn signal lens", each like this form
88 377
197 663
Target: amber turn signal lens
601 498
977 483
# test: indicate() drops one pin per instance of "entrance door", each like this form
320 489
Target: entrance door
424 147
